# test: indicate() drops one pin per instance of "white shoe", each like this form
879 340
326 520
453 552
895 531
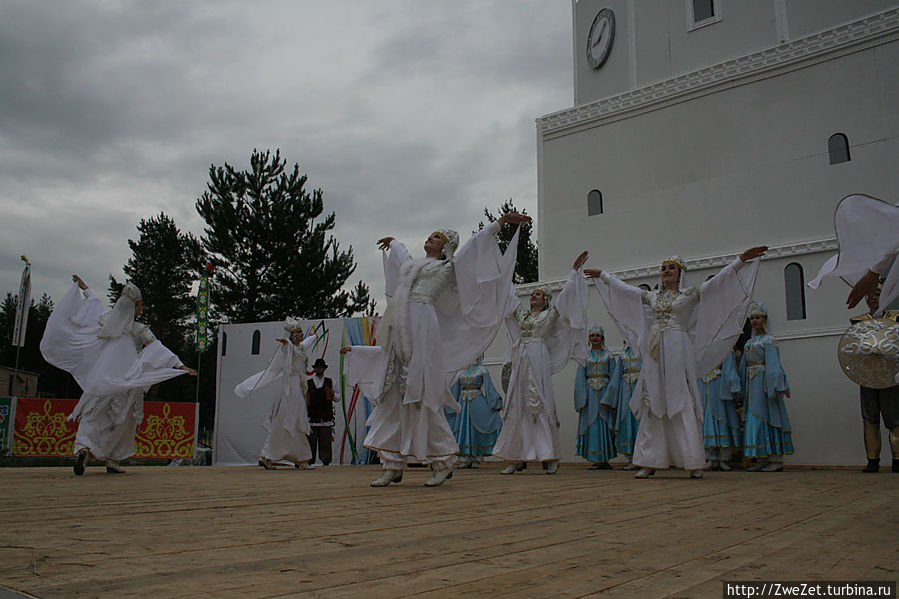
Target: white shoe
305 466
756 467
773 467
644 473
709 464
696 474
387 477
112 466
513 467
438 477
464 462
552 467
630 466
724 467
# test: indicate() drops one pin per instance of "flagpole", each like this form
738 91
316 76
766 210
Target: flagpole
21 321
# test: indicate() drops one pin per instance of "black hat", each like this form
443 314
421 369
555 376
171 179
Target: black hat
319 362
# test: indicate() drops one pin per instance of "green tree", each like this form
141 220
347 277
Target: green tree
164 263
271 246
52 381
526 261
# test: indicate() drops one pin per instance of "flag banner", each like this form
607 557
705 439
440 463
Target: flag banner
5 413
203 312
41 429
23 303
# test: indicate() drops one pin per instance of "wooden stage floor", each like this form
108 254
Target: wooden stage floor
245 532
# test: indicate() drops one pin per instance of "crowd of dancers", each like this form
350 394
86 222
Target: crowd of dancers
669 399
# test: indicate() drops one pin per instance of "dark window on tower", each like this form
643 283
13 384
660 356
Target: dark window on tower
794 287
594 202
257 338
702 10
838 148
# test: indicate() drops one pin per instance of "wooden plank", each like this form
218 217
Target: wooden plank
222 532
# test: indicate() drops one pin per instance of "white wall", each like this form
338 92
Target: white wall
239 435
712 150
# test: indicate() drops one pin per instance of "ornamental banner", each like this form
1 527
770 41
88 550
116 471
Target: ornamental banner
41 428
169 429
5 413
203 310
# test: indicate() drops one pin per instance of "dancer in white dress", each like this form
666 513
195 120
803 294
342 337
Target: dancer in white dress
682 333
542 339
288 423
442 313
115 360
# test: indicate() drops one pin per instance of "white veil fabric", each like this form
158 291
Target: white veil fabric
468 313
104 367
867 231
120 318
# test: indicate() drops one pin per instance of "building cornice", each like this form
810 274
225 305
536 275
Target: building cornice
825 45
777 252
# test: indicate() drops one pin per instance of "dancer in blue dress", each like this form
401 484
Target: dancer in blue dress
767 434
477 425
626 424
595 399
720 423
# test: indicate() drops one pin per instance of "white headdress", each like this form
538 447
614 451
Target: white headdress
114 322
450 242
679 262
291 324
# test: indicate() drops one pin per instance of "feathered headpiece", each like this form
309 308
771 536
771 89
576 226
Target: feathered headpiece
676 260
292 324
758 308
450 241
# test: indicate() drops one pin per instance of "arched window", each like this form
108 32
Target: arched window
594 202
794 286
838 148
224 343
257 338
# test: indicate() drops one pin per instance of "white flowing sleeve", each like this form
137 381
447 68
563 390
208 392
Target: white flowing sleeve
308 343
70 339
155 363
867 231
366 366
568 338
273 371
483 280
721 313
624 303
393 260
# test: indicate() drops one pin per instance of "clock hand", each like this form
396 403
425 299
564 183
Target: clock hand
600 33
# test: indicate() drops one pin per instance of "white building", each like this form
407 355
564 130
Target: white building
703 127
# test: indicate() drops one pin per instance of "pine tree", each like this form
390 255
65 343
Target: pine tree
526 261
269 242
164 263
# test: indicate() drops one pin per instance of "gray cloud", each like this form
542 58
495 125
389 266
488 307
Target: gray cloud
407 114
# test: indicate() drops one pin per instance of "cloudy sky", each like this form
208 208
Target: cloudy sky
408 114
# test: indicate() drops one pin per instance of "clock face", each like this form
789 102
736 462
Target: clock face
599 41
